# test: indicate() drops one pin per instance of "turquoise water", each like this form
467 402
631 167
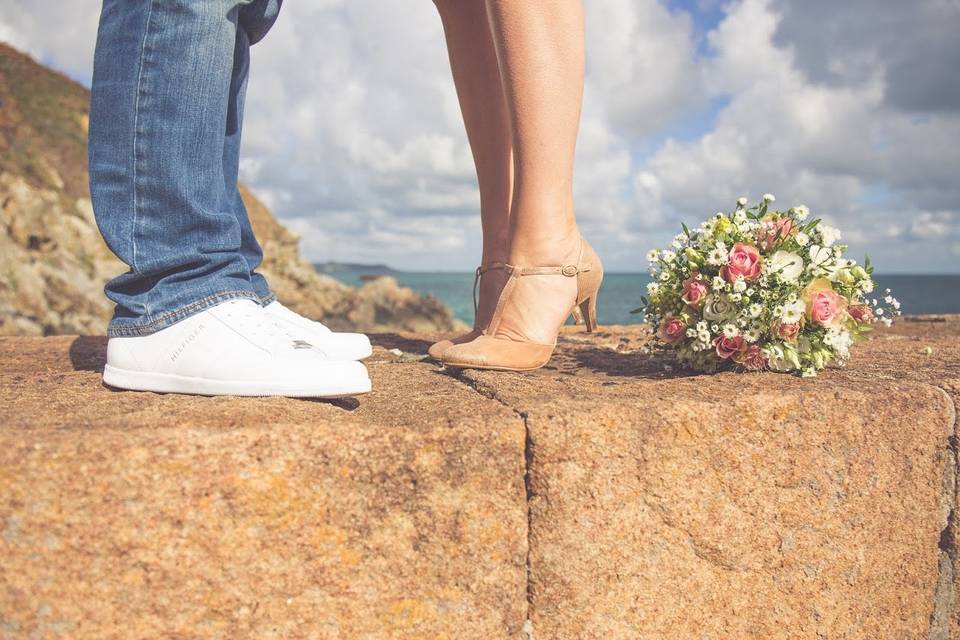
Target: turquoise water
621 292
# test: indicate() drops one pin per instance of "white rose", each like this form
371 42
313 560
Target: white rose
802 239
742 201
769 197
788 266
718 308
802 212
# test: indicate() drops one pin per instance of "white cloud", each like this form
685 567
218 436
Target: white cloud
827 145
62 34
641 61
354 136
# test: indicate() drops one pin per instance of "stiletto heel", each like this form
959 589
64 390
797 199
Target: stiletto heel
589 310
504 352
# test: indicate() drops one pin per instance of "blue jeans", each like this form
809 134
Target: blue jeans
166 114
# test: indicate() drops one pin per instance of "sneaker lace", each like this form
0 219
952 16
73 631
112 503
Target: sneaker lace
257 327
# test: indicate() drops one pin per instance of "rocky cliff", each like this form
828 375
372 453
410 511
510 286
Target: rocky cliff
53 262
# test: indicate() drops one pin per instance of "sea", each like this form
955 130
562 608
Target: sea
918 294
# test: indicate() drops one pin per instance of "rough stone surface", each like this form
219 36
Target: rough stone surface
125 515
610 495
667 505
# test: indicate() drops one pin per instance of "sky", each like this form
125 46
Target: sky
353 134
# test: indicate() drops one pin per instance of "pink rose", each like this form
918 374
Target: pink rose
728 347
752 358
861 313
694 291
744 261
773 231
787 330
825 306
672 329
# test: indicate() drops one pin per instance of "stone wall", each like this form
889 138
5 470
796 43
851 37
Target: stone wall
608 495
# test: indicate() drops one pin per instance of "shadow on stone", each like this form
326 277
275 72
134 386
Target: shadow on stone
633 365
396 341
88 353
345 404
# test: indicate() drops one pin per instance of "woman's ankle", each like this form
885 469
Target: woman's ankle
547 249
495 250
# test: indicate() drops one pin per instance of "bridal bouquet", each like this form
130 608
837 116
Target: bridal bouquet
762 289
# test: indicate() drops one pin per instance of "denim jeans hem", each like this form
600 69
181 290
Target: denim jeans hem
146 326
267 300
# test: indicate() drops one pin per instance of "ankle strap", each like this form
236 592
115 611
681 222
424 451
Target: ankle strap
482 269
568 270
489 267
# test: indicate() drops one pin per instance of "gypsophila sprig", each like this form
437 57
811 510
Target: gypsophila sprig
762 289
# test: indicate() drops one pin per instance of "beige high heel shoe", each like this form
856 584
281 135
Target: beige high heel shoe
493 351
437 350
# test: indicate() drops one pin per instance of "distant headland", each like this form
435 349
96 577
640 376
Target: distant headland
358 268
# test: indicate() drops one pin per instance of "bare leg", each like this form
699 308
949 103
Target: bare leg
540 49
476 74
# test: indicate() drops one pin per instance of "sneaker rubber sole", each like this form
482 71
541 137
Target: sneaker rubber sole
341 386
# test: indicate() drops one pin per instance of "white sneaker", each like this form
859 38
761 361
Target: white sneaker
233 348
338 346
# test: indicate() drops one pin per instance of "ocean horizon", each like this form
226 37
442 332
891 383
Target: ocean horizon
918 293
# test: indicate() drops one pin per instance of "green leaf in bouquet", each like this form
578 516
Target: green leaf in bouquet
791 356
818 359
685 229
640 310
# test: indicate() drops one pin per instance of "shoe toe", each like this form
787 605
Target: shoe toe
465 355
344 346
345 377
437 349
488 352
